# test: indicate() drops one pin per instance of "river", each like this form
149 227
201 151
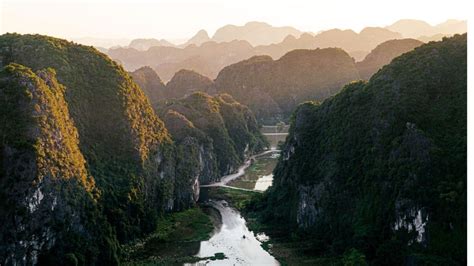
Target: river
233 238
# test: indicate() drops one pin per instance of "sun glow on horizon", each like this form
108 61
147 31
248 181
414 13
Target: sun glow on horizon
181 19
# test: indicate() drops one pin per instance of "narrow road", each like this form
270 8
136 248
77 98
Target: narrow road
241 171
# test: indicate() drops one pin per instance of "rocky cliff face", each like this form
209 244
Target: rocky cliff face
226 130
85 161
383 54
47 192
381 166
272 89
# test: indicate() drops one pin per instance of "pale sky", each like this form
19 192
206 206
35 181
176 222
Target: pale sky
176 19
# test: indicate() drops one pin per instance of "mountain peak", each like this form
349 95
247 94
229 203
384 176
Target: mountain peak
256 33
199 38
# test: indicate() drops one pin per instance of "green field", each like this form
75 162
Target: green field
263 165
176 239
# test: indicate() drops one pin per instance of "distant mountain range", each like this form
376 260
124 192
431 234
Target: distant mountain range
256 33
411 28
231 44
272 88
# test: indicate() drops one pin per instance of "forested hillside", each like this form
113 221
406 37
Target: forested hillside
86 164
272 89
379 170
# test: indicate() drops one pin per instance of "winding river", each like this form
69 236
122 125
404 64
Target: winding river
240 245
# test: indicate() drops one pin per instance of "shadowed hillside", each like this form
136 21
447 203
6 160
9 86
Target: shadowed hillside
383 54
86 163
378 171
273 88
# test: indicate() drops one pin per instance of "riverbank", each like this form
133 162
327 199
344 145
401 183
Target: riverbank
176 239
215 229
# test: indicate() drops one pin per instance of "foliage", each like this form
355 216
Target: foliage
123 145
175 238
45 186
230 126
378 155
273 88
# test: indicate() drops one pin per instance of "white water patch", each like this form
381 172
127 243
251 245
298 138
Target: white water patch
234 239
264 182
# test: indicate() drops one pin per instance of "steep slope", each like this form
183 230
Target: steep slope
185 82
150 83
383 54
47 194
228 125
256 33
86 163
196 155
198 39
381 166
272 89
127 149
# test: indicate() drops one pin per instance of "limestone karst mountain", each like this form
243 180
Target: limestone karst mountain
228 125
185 82
273 88
210 57
383 54
256 33
47 191
198 39
411 28
86 163
145 44
207 59
150 83
270 88
350 41
380 168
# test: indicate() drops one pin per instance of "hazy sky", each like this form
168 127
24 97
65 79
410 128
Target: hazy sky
172 19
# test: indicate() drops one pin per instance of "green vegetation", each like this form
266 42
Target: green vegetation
220 120
175 240
262 165
189 225
383 54
46 189
78 132
379 170
273 88
239 199
150 83
119 134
